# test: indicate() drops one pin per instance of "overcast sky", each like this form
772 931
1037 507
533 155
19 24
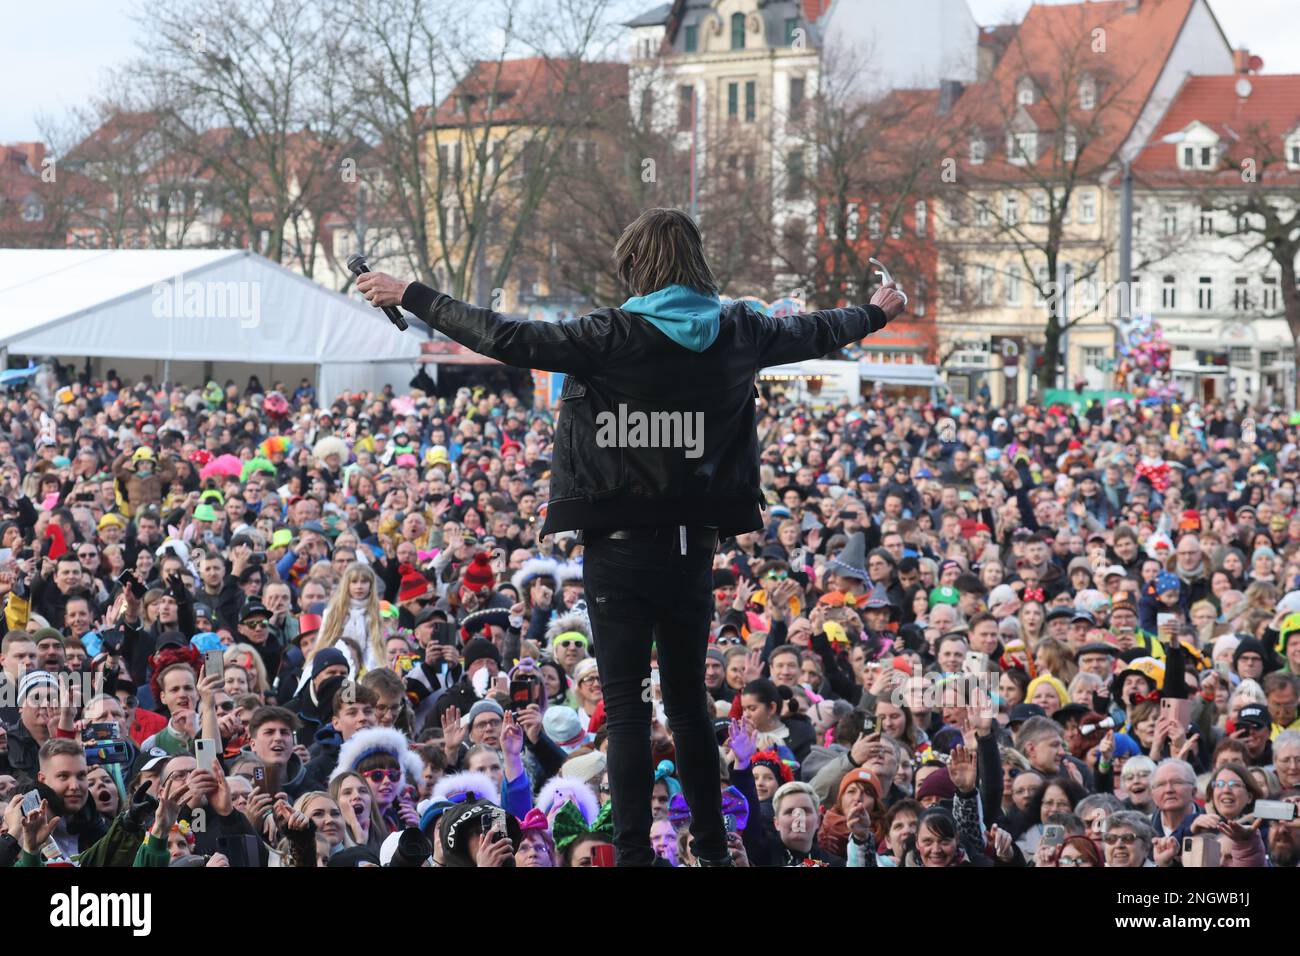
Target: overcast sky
56 50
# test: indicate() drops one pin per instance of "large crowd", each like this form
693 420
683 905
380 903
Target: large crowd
245 627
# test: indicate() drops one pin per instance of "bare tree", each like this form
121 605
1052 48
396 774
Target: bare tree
1045 127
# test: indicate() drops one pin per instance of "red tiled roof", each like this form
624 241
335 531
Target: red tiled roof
1266 116
1137 46
530 89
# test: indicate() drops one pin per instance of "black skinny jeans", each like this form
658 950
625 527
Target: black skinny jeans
642 590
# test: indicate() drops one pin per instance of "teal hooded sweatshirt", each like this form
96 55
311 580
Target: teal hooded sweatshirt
688 317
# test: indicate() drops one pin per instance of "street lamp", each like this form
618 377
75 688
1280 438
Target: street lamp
1126 234
1126 212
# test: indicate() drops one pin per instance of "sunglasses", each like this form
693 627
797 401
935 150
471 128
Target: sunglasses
775 576
727 641
1110 839
379 775
570 644
226 706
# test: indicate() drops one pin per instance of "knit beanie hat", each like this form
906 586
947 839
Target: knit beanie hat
863 776
478 575
480 648
481 707
937 784
327 657
413 585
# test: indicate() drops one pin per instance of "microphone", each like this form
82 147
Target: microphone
357 266
1106 724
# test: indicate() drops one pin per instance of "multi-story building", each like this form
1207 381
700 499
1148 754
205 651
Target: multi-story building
1214 289
1077 88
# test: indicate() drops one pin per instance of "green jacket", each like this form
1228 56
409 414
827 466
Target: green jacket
152 852
118 847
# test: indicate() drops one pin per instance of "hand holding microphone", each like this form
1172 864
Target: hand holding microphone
380 289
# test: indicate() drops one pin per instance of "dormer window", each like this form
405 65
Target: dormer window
977 150
1070 152
1022 148
1197 157
1292 150
1087 93
1025 92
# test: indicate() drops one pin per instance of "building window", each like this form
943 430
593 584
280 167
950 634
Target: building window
920 215
685 107
1241 356
1169 293
691 38
1267 358
1207 221
982 212
985 294
1094 356
794 183
918 303
733 101
1010 210
852 221
1071 151
1205 293
1038 208
873 221
796 97
1136 298
738 31
1013 285
977 150
1087 93
1025 92
1271 294
751 101
1169 220
958 283
647 121
1241 294
791 24
1022 148
1293 152
1087 206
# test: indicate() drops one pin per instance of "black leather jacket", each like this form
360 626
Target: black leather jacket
616 362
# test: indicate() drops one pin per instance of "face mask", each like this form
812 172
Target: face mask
144 472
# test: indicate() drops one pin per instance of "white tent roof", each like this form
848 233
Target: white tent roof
195 305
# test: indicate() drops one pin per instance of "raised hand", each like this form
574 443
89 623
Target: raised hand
453 734
512 735
962 769
742 740
1164 850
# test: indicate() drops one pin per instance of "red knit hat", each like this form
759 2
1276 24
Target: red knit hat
413 584
478 575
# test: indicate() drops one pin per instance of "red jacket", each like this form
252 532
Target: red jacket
146 724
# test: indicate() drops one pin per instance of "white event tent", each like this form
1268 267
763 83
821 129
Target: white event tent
192 314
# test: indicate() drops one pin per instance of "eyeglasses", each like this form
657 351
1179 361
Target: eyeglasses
1229 785
590 679
379 775
1111 839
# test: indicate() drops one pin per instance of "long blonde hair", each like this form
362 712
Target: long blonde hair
237 654
336 613
377 825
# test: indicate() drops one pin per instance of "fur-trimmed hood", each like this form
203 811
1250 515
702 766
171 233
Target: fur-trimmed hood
373 740
531 569
559 790
568 571
467 780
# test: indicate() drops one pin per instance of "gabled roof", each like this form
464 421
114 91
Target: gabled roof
1138 44
1267 116
652 17
531 90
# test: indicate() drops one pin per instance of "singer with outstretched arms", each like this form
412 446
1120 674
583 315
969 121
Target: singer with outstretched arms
655 458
